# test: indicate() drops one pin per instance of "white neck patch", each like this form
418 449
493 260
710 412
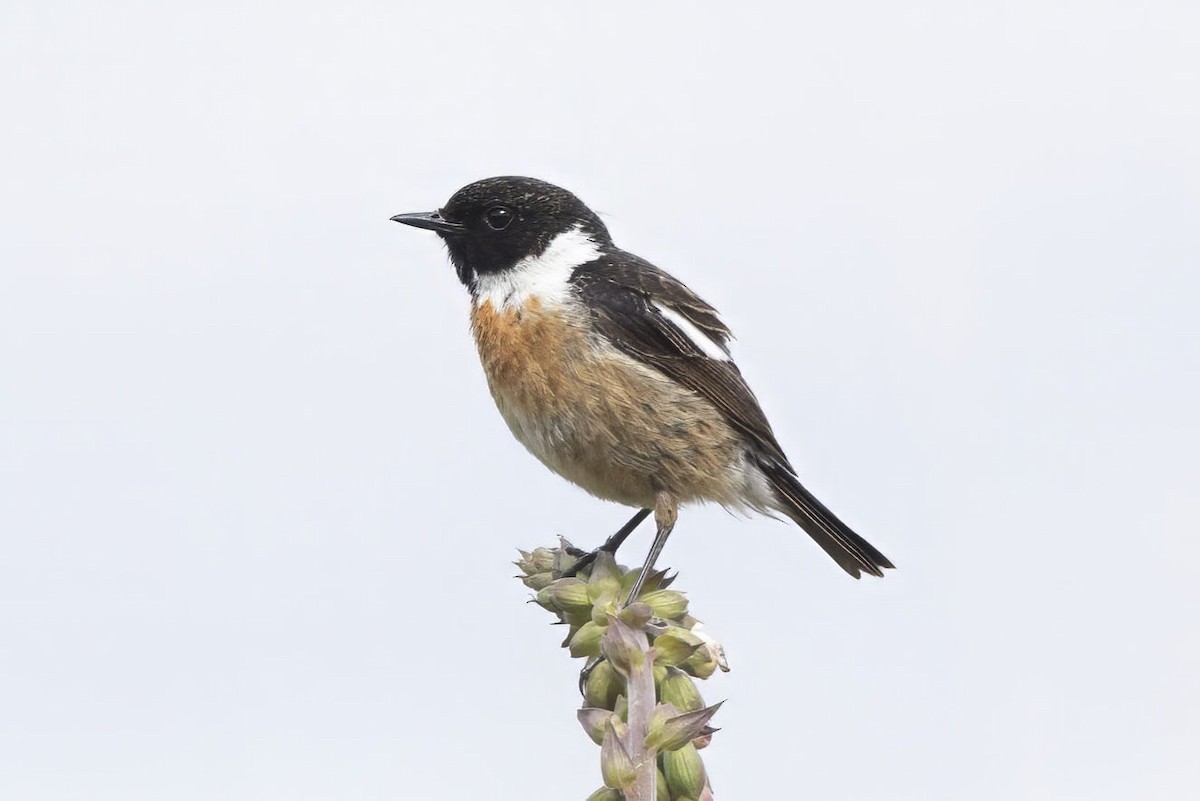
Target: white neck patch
546 277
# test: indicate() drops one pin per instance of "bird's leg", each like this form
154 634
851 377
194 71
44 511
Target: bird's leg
666 512
610 545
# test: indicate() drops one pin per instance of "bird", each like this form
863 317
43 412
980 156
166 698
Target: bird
613 373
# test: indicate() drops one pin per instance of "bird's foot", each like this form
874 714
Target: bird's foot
610 545
584 558
587 672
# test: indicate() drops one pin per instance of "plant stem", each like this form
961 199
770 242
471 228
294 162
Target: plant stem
641 699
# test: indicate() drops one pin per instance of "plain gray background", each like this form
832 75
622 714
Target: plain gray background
257 508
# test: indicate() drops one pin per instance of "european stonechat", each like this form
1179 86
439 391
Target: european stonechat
612 372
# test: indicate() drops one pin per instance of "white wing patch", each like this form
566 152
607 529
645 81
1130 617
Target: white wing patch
546 276
706 345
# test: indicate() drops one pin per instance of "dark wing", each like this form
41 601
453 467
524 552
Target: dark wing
632 304
627 295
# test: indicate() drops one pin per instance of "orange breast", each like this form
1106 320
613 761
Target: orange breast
617 428
528 354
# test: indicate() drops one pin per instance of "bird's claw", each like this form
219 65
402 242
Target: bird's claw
587 672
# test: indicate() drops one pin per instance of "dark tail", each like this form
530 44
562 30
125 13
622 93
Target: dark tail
855 555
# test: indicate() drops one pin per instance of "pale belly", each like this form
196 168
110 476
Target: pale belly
617 428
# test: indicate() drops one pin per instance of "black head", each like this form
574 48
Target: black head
490 225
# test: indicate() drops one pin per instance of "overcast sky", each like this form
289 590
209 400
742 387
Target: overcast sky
257 508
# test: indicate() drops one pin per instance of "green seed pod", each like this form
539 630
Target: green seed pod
701 664
660 674
671 730
586 641
661 793
605 578
594 721
658 722
568 594
576 617
680 691
636 615
699 668
621 709
608 794
714 648
684 772
541 560
667 604
669 649
616 766
603 686
603 606
537 581
545 599
682 633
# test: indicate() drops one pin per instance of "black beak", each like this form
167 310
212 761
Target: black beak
430 221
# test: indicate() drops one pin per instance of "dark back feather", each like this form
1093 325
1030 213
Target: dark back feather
621 291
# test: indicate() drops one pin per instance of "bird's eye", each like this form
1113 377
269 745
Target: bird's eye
498 218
